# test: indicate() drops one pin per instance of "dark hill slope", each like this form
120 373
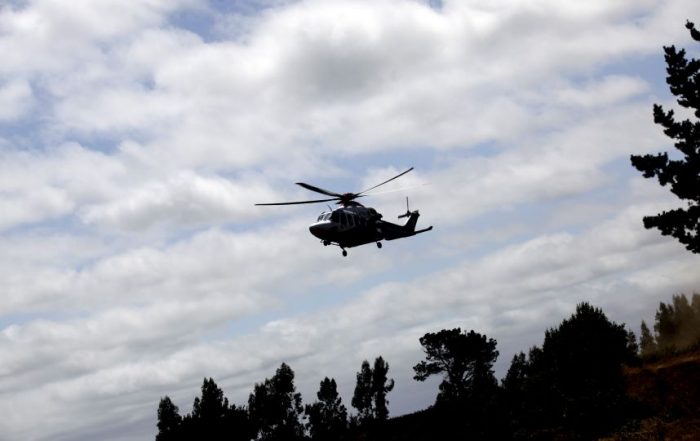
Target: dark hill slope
669 391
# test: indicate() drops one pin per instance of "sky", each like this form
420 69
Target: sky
136 137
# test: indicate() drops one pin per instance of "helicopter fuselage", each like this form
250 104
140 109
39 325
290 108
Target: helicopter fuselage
347 226
355 225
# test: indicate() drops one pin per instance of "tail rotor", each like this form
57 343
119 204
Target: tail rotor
408 211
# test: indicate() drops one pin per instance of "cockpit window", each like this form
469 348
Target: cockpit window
326 216
320 217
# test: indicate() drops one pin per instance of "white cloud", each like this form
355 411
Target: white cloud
39 186
134 262
42 203
610 90
16 99
185 199
52 36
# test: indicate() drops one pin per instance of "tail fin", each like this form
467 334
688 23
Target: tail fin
410 225
392 231
410 228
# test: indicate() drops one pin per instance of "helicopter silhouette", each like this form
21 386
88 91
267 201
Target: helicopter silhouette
353 224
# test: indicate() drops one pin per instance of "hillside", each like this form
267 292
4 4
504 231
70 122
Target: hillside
669 391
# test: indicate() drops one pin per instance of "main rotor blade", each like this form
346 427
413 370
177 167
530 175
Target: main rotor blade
300 202
397 190
388 180
318 190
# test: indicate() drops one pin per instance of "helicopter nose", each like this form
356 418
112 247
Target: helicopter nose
318 230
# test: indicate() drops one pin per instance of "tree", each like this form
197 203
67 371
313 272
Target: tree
213 419
465 360
683 174
381 386
370 393
574 382
275 407
516 375
632 347
647 343
525 394
581 362
665 327
362 396
169 421
211 408
677 325
328 417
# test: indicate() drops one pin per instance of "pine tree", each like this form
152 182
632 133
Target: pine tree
328 416
208 417
362 396
169 421
683 175
647 342
677 325
381 386
581 364
465 360
370 392
275 407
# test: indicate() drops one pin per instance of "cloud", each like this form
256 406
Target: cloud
610 90
54 37
39 186
16 99
185 199
396 71
46 202
134 262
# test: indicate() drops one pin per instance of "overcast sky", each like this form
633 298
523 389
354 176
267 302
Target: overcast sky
136 136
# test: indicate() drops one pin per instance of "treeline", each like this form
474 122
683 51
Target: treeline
275 410
571 387
676 328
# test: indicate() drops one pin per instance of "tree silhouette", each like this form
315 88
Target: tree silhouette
370 393
677 325
169 421
683 175
381 386
213 419
647 343
575 380
465 361
328 417
210 410
362 396
275 407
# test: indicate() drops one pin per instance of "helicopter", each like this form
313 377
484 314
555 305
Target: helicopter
352 224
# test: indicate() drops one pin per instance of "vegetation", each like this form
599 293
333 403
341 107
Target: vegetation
328 417
464 359
683 174
370 393
571 387
275 407
574 381
676 328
